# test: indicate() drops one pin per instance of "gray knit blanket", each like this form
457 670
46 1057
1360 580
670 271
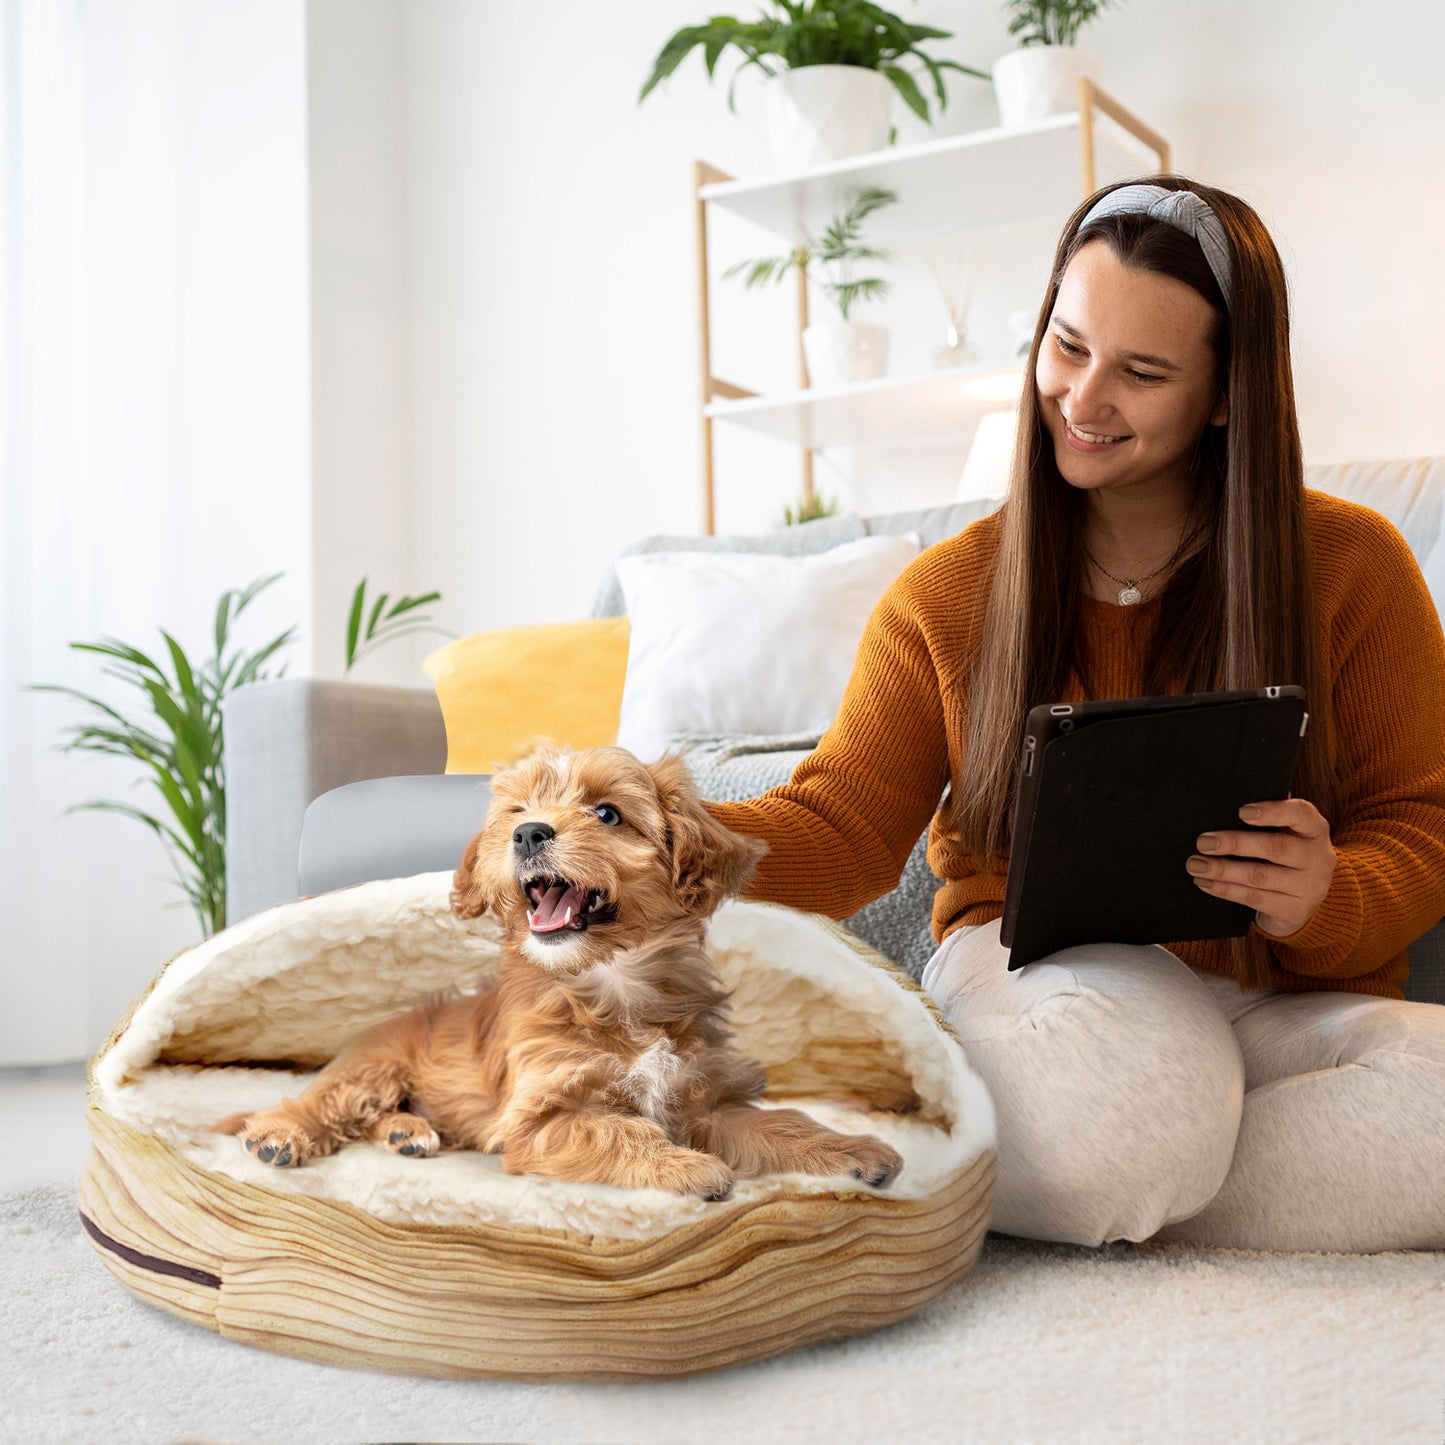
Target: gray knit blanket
730 769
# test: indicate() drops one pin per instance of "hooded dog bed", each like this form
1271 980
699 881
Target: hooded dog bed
449 1267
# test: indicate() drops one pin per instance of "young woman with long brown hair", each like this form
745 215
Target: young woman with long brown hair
1275 1091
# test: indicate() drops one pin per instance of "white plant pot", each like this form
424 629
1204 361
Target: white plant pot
821 113
840 352
1039 81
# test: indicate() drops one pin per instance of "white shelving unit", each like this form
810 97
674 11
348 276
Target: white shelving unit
888 409
957 183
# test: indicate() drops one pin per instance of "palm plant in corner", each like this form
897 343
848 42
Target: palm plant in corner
854 350
835 66
384 624
178 744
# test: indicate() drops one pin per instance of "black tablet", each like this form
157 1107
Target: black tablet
1112 796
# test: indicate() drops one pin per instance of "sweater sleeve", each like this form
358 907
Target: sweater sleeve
1389 708
840 830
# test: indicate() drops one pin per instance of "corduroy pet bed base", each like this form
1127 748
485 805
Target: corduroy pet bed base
448 1266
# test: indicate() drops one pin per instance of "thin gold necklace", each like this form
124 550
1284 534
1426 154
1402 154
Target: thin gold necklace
1129 592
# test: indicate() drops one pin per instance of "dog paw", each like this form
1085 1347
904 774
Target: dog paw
275 1139
872 1161
407 1134
700 1174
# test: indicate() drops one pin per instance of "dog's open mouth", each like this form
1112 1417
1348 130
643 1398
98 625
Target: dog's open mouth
559 905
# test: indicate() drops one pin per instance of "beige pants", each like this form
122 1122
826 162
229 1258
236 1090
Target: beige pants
1140 1098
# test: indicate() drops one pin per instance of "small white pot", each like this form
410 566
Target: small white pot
1039 81
821 113
840 352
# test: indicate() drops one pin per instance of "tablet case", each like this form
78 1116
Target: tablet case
1099 848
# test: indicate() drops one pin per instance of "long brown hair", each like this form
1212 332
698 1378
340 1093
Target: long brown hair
1238 612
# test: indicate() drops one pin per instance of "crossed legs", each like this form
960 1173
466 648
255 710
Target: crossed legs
1139 1098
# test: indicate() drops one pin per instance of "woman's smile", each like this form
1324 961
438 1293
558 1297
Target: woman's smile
1087 441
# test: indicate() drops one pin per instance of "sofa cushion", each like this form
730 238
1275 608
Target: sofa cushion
736 643
933 524
500 690
802 540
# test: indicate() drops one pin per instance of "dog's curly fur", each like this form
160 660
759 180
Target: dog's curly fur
601 1054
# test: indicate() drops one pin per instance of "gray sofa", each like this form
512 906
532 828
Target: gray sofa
334 783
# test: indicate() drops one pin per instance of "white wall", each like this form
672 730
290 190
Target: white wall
552 312
360 502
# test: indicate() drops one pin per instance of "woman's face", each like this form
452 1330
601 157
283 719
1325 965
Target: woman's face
1126 376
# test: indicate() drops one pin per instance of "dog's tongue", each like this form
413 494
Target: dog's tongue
551 913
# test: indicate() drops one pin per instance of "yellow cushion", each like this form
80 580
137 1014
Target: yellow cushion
501 690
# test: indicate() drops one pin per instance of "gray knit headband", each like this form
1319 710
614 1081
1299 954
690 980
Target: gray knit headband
1181 209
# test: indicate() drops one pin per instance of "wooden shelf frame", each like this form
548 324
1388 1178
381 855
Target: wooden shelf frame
804 199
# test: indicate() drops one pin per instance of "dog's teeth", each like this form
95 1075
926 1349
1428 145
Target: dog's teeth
568 918
529 918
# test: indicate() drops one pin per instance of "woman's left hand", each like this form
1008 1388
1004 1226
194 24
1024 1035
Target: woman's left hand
1284 876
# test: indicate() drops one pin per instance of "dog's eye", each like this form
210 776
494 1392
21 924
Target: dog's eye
608 814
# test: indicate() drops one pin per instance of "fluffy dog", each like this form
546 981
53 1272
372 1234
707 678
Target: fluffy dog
601 1054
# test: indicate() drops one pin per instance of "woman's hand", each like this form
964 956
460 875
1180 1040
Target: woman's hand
1283 876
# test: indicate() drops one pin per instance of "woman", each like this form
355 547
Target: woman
1271 1092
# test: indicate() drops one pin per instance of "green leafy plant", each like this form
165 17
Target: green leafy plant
1051 22
815 32
839 247
384 624
179 743
810 509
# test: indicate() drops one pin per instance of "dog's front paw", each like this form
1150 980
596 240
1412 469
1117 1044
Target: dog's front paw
871 1160
691 1172
275 1138
405 1133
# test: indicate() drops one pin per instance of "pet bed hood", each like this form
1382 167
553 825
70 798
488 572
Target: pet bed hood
237 1023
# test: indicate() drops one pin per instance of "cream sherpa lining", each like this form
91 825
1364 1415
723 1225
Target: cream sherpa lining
296 982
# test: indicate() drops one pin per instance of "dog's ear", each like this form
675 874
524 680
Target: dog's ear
709 862
470 895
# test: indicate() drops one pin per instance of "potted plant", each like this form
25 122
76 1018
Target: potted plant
178 736
810 509
854 350
1041 77
835 66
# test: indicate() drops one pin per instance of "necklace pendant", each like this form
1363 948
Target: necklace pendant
1129 595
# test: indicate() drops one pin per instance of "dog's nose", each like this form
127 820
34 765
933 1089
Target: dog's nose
530 838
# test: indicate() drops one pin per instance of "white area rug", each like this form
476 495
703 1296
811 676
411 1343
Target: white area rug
1041 1343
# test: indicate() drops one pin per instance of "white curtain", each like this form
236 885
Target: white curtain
44 973
153 442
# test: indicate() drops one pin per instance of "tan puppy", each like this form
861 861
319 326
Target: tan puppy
602 1053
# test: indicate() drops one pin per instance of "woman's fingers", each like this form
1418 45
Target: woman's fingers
1265 900
1285 849
1283 875
1299 815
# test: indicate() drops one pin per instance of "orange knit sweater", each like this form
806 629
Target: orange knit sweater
842 828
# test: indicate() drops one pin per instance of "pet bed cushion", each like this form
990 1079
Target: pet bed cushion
448 1266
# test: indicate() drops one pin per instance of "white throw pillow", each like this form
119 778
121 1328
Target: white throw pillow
746 643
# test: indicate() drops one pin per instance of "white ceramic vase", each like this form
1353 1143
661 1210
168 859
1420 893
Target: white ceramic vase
1038 81
821 113
841 352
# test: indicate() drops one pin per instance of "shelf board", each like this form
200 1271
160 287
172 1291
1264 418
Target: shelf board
981 178
865 413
